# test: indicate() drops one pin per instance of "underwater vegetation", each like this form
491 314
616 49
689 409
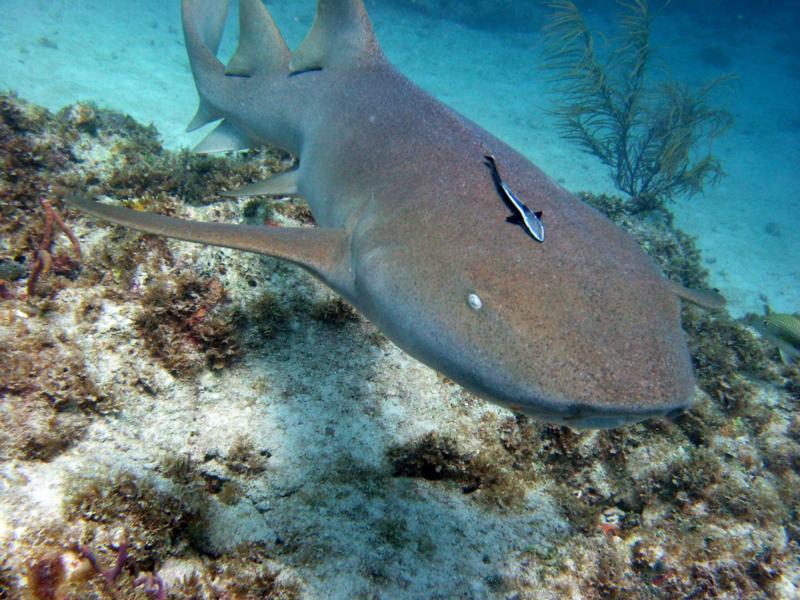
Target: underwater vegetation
156 393
648 134
675 252
49 398
187 311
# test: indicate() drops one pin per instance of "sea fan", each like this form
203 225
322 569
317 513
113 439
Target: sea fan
648 136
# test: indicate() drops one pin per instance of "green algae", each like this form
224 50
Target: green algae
185 325
49 397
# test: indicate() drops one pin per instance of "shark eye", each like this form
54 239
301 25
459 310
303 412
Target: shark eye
474 301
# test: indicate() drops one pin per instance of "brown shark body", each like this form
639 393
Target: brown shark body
579 329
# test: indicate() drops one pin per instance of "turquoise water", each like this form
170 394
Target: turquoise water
484 60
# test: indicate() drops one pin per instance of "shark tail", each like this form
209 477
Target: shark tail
203 24
341 37
261 51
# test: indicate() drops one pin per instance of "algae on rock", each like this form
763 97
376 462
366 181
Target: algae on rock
648 135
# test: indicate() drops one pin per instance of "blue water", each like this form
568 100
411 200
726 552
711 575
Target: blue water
483 58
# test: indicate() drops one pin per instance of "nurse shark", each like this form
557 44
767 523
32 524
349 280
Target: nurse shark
415 207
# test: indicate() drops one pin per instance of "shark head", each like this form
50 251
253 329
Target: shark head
580 329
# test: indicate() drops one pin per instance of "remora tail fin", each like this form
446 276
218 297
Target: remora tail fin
341 35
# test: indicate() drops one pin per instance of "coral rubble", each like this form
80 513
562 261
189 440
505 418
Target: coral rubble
199 423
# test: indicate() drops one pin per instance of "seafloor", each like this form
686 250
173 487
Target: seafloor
219 423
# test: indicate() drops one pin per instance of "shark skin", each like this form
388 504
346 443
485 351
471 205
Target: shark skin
581 329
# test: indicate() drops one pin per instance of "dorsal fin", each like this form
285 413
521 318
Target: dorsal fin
341 35
261 47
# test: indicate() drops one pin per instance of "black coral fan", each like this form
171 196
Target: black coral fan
648 136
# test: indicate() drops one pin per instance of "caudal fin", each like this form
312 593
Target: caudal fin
261 51
203 24
341 37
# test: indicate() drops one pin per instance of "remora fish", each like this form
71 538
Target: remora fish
582 329
522 215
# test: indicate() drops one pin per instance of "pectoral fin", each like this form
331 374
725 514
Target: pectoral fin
706 298
318 250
